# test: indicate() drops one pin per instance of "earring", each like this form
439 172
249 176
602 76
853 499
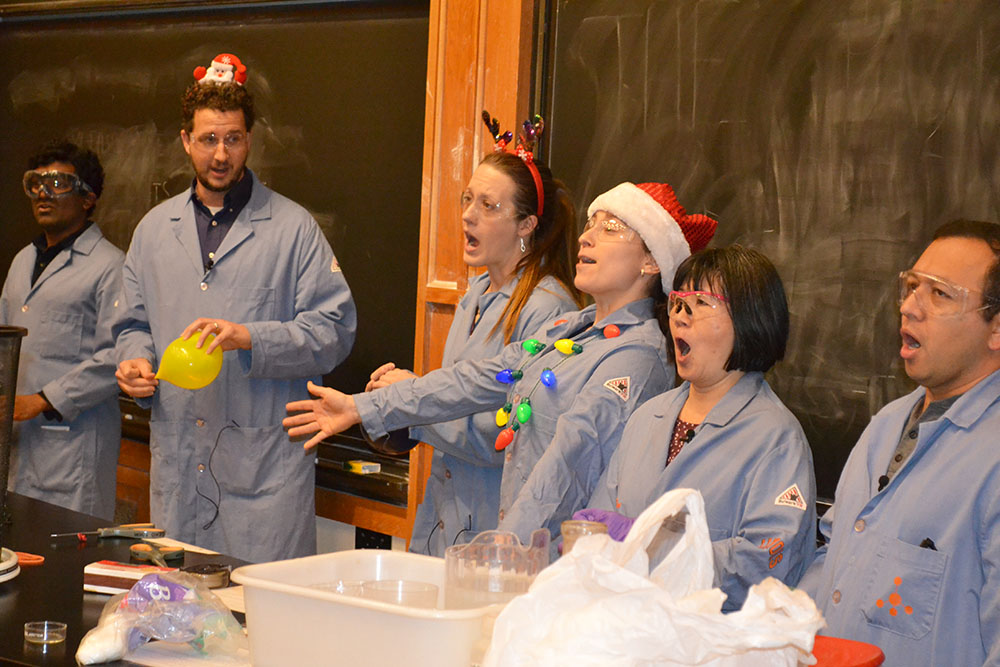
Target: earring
642 271
523 249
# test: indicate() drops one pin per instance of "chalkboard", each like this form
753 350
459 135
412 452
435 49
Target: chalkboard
339 93
834 136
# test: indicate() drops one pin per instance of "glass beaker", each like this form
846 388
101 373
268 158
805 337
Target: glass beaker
493 568
574 529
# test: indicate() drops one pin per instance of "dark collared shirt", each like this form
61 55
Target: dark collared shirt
45 253
212 229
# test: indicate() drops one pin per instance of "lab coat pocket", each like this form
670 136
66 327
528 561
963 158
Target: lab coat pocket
904 588
52 456
61 335
254 460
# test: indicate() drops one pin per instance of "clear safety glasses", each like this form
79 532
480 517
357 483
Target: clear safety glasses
609 229
53 184
696 305
232 141
485 206
936 296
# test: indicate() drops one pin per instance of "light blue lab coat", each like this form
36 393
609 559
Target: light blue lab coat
556 458
744 458
69 354
463 490
947 492
276 274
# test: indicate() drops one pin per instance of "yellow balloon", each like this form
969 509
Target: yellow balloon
189 367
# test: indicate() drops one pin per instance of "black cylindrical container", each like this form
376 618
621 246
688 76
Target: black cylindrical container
10 352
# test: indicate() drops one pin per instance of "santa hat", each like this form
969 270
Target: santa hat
652 210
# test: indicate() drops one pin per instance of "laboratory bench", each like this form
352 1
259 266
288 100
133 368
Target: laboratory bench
53 591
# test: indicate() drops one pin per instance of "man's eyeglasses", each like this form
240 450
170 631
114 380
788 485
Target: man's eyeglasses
937 296
53 184
697 304
208 142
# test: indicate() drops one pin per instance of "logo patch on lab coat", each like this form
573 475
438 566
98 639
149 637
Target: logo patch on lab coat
619 386
334 266
791 497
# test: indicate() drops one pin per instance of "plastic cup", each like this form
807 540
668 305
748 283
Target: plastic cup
45 632
403 592
574 529
341 587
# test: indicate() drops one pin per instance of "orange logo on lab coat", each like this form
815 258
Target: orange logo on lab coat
895 599
775 549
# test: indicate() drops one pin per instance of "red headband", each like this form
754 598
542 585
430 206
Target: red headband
525 143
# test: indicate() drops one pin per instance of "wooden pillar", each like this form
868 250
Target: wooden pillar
479 57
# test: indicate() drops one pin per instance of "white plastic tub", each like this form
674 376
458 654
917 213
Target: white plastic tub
290 623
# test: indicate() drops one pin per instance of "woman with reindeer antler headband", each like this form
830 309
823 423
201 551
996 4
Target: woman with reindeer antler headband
565 394
519 224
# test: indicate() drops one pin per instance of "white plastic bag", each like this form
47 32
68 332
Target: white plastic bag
600 604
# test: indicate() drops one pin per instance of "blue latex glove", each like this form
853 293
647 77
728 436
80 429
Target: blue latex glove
618 524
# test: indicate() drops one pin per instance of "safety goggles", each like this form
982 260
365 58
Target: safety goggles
53 184
209 142
696 304
937 296
609 229
485 206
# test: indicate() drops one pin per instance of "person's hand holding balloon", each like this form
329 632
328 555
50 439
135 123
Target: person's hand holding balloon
228 335
136 378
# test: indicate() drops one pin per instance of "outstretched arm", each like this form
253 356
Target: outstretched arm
329 413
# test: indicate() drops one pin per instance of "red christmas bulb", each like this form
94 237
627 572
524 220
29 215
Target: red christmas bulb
504 438
611 331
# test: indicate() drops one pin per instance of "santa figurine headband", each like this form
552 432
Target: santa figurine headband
526 140
225 67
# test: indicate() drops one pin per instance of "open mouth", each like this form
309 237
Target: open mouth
587 260
682 347
910 342
471 242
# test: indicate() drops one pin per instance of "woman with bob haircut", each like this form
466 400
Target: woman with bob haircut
730 436
561 398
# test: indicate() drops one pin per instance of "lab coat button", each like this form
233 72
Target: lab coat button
836 597
912 434
24 308
447 474
199 422
203 286
859 526
201 467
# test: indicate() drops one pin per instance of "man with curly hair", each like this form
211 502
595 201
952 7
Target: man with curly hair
65 288
247 271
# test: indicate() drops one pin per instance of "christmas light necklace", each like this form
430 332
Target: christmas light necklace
510 423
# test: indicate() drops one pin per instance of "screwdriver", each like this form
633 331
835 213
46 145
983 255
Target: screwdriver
132 530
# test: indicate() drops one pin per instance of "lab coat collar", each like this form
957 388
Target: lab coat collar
182 217
968 409
728 406
84 244
735 399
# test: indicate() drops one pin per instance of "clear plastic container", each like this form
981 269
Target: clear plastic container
573 529
493 568
45 632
